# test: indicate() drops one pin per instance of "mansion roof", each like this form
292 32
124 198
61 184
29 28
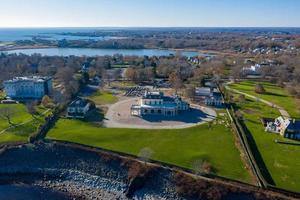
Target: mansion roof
37 79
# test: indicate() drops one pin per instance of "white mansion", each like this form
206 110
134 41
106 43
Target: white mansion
155 103
34 87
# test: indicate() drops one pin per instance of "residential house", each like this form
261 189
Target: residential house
78 108
288 128
209 96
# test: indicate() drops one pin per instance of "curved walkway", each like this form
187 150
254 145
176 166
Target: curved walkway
23 123
118 116
282 111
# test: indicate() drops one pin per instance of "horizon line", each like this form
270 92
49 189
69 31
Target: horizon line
149 27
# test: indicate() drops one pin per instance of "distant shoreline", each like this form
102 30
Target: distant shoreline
12 48
209 52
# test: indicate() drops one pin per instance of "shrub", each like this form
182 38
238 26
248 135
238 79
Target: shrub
196 188
47 102
259 89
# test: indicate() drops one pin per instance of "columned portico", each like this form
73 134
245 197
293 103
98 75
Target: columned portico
155 103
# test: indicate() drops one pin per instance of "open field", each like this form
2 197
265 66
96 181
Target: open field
19 116
281 160
103 97
122 84
273 94
184 147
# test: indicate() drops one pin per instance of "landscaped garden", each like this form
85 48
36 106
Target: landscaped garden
22 123
274 94
208 143
282 160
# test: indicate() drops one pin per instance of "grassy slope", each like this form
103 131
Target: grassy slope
22 132
274 94
282 161
103 97
179 147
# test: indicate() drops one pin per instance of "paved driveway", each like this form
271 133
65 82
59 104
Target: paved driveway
119 116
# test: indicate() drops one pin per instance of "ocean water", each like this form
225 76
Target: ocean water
28 192
13 34
102 52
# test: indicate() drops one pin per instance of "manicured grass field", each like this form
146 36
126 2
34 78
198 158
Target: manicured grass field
122 84
20 115
103 97
273 94
281 160
183 147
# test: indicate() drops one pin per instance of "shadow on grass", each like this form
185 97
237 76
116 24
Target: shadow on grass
258 158
95 115
288 143
190 116
274 94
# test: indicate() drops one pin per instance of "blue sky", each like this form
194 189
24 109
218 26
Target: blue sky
149 13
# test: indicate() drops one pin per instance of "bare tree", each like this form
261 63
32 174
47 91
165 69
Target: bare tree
259 88
190 92
31 108
6 113
130 74
175 81
145 154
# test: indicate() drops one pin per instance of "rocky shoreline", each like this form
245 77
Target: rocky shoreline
80 172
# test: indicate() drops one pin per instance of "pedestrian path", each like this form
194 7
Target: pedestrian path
282 111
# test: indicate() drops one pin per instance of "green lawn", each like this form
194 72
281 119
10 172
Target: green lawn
103 97
273 94
183 147
282 161
19 115
120 66
123 84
